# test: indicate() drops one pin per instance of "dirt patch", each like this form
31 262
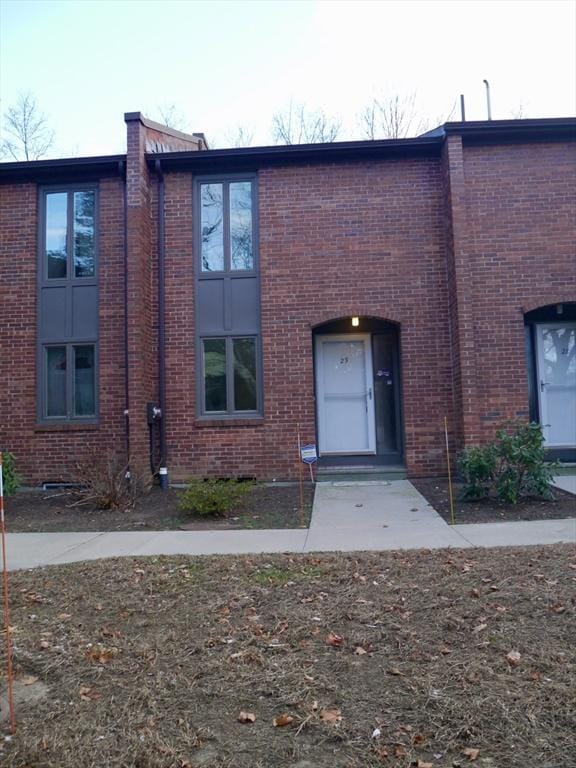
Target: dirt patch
435 491
393 659
264 507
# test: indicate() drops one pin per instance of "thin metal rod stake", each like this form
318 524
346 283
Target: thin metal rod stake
9 668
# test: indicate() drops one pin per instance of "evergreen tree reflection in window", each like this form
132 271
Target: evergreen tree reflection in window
84 234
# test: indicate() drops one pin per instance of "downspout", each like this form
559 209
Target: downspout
122 170
163 472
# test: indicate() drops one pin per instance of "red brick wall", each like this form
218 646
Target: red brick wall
336 240
452 249
521 213
48 453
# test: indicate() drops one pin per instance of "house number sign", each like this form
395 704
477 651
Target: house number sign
308 453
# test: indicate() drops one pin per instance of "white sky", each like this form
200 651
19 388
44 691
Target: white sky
229 63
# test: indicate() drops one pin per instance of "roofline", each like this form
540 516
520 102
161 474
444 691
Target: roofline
491 131
247 158
63 168
251 158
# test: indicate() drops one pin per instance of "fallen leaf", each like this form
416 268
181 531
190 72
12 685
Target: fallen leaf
513 658
359 651
331 716
28 680
101 655
246 717
282 720
423 764
445 650
479 628
475 592
394 671
98 607
64 616
88 694
558 608
418 739
399 751
471 753
334 640
43 645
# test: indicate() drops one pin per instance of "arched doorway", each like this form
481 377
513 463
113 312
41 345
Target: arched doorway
358 392
551 356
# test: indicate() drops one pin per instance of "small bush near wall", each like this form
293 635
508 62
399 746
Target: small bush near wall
104 482
511 467
9 475
213 497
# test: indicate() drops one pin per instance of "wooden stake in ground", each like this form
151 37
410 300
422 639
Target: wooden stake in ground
300 477
449 472
9 670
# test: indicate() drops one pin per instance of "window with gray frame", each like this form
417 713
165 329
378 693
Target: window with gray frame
227 297
67 304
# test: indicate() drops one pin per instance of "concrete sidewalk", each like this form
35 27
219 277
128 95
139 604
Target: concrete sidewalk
347 517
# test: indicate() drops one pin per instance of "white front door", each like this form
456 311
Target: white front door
344 394
556 361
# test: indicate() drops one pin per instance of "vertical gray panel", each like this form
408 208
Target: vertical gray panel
52 319
84 312
245 304
210 311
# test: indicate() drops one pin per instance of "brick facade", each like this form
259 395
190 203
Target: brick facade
454 246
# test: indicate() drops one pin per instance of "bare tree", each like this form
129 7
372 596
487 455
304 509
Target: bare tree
170 116
394 116
297 125
241 136
26 134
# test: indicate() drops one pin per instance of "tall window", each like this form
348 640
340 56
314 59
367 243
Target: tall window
227 226
68 304
228 297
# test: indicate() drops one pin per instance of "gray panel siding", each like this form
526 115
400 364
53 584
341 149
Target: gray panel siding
84 312
52 325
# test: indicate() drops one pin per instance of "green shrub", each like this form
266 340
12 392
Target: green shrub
213 497
9 475
509 468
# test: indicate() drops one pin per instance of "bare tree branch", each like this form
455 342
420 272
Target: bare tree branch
241 136
26 134
170 116
393 116
297 125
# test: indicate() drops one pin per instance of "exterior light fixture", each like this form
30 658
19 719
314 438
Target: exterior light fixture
355 322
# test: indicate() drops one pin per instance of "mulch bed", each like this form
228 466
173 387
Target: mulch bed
443 659
264 507
435 491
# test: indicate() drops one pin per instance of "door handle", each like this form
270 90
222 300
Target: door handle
370 392
543 384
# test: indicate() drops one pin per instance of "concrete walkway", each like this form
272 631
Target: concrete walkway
346 517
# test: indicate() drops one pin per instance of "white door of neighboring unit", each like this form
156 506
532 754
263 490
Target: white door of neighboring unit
344 393
556 363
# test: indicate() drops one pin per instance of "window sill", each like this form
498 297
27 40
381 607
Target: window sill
231 421
67 427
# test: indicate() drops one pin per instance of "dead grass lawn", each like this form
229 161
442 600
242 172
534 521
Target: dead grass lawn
149 661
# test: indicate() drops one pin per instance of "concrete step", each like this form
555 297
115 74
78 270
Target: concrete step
360 474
